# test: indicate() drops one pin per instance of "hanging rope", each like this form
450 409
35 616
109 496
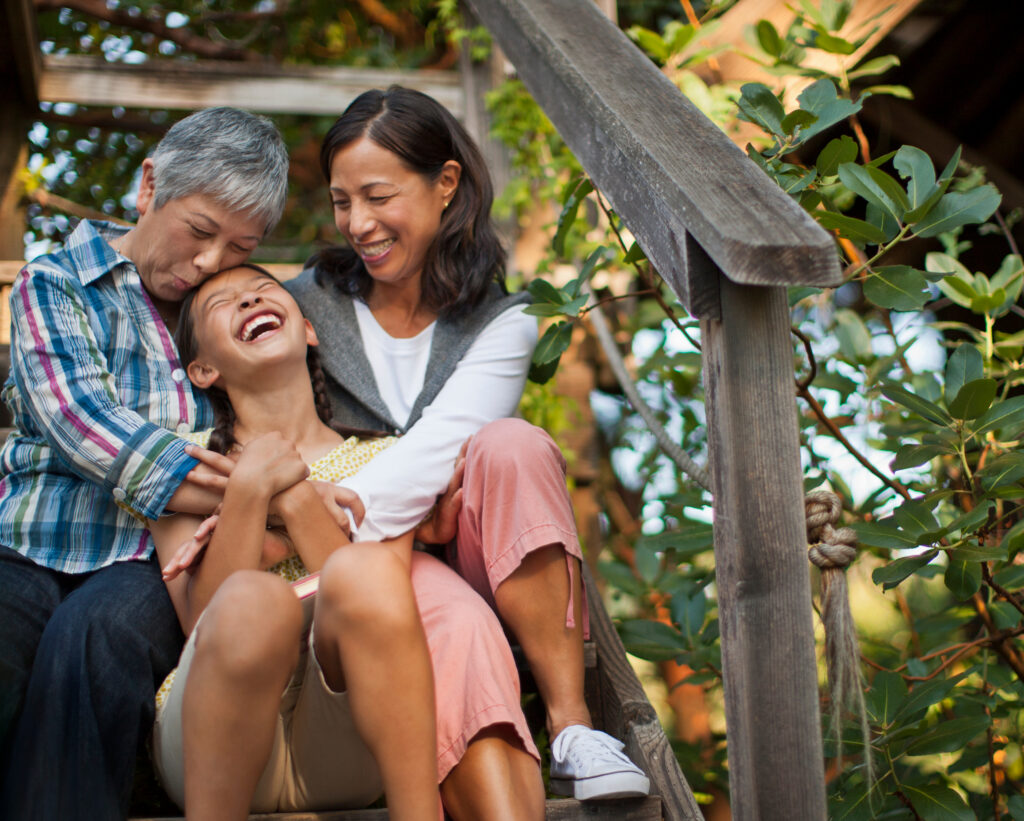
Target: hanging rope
831 551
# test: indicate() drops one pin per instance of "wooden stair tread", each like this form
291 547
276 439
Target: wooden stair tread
557 809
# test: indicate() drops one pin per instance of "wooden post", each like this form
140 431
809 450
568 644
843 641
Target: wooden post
698 206
771 688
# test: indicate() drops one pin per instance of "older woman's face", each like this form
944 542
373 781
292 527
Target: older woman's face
389 213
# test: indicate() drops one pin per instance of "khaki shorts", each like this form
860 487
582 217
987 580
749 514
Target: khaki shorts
318 760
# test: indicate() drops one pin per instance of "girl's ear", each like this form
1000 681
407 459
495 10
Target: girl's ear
202 375
451 173
311 338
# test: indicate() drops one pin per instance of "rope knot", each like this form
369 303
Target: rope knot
831 547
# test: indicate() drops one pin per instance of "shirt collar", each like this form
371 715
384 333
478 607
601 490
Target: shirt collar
89 248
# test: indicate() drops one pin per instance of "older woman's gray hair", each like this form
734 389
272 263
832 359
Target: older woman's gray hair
235 157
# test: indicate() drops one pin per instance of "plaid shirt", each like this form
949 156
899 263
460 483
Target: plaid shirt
96 390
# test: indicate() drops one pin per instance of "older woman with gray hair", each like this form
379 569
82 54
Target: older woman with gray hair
98 394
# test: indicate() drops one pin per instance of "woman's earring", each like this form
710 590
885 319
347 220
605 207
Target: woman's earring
446 205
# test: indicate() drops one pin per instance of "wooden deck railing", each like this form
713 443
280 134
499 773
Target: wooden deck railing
728 241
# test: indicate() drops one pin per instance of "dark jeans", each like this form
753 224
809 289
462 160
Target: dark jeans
80 659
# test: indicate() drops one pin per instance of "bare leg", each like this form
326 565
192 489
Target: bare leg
496 779
533 601
370 641
246 649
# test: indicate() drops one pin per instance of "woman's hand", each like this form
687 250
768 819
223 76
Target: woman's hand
190 553
341 501
440 527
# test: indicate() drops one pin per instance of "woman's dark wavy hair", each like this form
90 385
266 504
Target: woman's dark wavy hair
222 437
466 255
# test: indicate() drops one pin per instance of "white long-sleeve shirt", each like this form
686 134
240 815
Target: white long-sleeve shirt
401 484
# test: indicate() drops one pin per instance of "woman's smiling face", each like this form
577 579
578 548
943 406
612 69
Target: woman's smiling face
389 213
243 320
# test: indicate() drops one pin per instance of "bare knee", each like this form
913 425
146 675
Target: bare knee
253 621
365 585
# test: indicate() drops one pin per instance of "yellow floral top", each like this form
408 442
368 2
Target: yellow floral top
346 459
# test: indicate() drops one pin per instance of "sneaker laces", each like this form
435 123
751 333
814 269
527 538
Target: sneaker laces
586 747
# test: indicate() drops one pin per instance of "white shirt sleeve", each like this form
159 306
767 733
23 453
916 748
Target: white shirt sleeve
401 484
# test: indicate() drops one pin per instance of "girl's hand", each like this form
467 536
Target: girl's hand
442 523
268 465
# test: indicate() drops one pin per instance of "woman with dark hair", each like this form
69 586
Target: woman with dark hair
419 337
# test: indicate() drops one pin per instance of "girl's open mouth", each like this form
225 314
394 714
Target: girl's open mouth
256 326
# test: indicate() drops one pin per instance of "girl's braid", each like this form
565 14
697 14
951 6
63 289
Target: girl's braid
319 382
222 437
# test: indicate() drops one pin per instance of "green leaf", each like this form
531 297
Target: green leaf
909 456
688 612
964 365
970 521
1007 416
887 694
915 403
853 336
757 104
833 44
927 693
883 534
840 150
821 100
915 518
973 399
879 65
851 228
1010 578
541 374
553 343
892 574
975 553
876 187
959 208
768 38
938 803
915 166
651 640
1015 805
568 216
1004 615
949 736
962 578
650 41
635 254
899 287
543 291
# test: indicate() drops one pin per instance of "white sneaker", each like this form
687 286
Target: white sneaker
588 764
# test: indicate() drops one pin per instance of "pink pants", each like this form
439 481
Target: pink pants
514 502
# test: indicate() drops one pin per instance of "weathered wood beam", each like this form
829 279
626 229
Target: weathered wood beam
270 88
665 168
761 570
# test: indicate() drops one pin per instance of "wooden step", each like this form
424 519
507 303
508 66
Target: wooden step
557 809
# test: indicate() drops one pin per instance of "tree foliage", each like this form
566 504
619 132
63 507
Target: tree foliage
909 380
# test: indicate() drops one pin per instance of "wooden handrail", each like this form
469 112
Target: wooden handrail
666 169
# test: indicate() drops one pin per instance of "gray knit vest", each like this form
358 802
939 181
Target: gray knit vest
355 397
